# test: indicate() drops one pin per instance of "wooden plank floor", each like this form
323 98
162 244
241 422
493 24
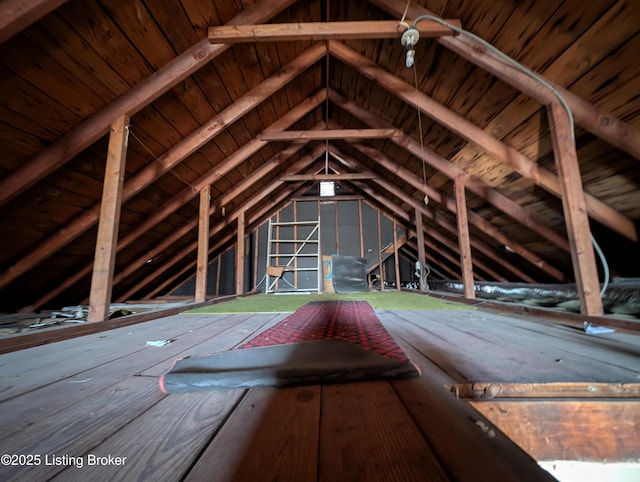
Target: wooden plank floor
90 408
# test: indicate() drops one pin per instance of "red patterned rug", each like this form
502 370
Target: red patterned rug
322 342
352 321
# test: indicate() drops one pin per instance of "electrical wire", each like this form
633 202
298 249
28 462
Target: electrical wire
424 169
529 73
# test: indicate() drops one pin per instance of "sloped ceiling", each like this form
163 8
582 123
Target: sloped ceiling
197 112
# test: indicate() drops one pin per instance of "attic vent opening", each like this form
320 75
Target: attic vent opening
327 188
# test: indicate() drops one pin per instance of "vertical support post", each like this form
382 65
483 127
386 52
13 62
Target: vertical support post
107 240
203 244
463 239
395 254
240 255
575 211
421 254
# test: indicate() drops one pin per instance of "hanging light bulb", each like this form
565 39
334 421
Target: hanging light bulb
409 40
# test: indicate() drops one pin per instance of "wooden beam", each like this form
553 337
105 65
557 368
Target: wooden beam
463 240
326 177
555 429
597 121
290 136
520 163
450 170
105 258
132 101
16 15
278 32
240 254
575 211
203 244
170 159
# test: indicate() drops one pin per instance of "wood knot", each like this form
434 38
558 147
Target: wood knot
604 120
200 54
478 49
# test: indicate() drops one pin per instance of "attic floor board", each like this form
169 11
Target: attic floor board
98 395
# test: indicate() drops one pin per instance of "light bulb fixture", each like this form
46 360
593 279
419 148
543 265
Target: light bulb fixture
409 40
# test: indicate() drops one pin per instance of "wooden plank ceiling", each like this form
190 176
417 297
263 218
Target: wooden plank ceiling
204 114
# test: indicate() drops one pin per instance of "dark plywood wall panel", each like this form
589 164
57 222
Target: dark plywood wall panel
328 240
228 272
348 228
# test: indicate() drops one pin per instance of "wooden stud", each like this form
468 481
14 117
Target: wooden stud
278 32
105 259
575 211
421 254
135 99
240 255
520 163
203 244
463 240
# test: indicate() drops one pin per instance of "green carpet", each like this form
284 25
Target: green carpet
385 300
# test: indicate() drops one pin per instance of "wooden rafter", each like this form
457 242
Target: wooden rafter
170 159
450 170
368 29
597 121
141 95
333 134
520 163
